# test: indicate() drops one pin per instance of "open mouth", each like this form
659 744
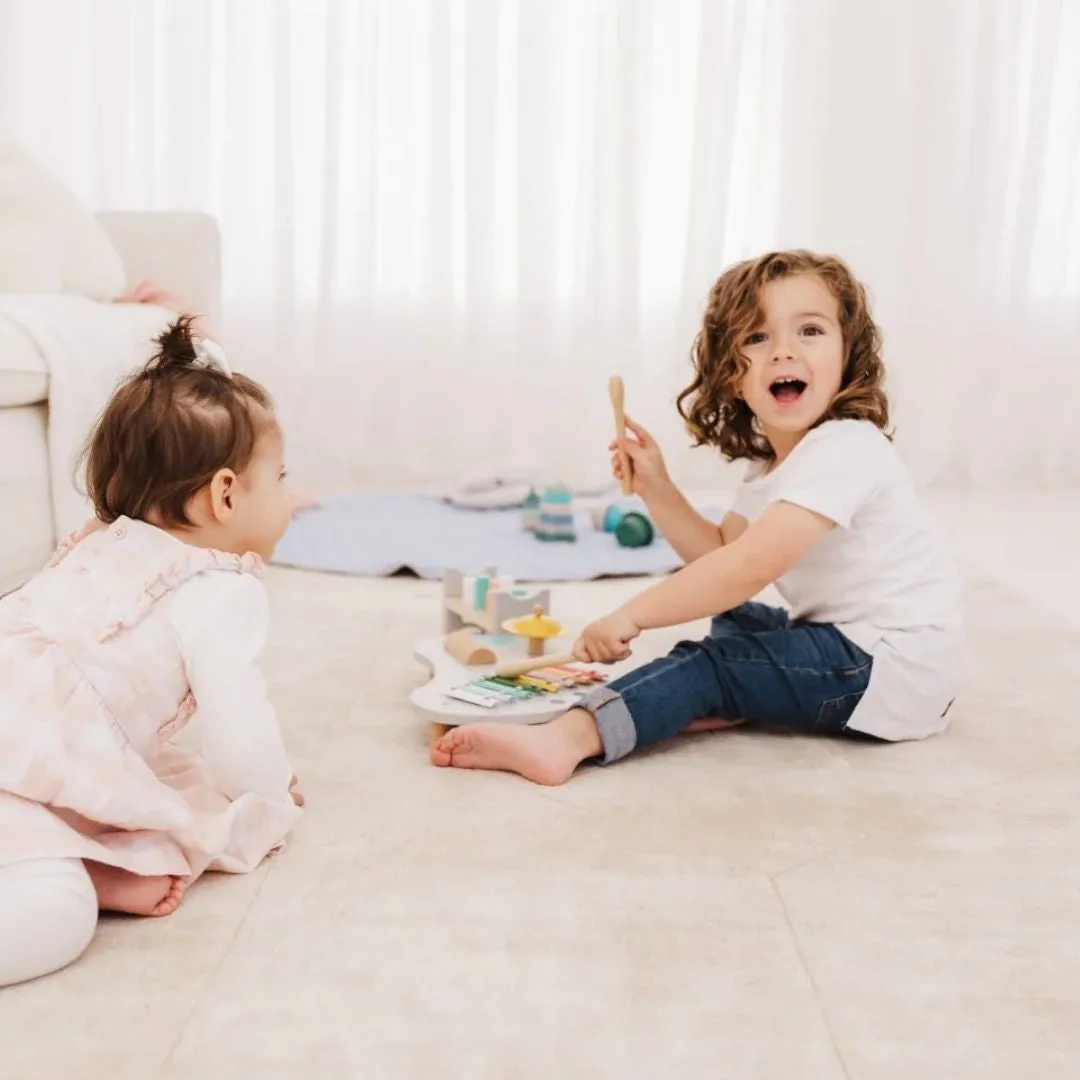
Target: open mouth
787 389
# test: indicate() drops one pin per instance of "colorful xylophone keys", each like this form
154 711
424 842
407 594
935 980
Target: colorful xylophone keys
493 690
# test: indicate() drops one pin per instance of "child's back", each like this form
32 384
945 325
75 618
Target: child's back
883 578
90 650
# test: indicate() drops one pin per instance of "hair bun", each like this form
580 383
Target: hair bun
176 346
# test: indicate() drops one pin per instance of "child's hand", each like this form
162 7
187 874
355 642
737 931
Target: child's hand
646 459
297 797
606 640
146 292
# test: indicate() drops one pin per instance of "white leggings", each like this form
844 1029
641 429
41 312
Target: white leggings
48 915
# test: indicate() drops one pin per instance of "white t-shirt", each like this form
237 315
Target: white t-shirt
221 621
883 576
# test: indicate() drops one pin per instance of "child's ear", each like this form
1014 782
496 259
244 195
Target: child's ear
223 495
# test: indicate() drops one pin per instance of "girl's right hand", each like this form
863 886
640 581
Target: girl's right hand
646 460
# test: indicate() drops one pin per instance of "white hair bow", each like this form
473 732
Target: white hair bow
210 354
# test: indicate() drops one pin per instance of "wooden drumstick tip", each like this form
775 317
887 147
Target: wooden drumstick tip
617 393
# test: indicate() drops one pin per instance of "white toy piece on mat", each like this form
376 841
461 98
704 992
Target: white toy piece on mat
503 490
508 489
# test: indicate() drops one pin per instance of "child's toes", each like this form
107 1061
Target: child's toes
171 900
442 750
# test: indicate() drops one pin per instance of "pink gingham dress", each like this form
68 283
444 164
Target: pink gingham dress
92 686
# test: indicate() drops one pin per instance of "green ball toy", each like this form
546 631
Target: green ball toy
634 531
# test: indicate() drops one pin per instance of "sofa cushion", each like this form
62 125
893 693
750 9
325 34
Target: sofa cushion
49 241
24 378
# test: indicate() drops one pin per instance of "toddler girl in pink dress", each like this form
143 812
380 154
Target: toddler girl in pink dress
150 619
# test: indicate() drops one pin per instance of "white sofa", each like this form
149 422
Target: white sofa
180 251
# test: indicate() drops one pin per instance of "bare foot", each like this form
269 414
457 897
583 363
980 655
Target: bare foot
545 753
131 894
710 723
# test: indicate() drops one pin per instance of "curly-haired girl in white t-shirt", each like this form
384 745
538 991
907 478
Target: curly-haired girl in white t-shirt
788 377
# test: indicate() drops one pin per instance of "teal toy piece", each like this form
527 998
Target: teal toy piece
634 530
556 514
531 511
483 582
612 516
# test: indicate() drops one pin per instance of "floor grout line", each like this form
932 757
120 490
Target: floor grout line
385 869
215 970
810 978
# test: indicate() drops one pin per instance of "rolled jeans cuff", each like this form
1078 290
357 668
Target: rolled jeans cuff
613 721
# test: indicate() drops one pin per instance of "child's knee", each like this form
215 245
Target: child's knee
48 917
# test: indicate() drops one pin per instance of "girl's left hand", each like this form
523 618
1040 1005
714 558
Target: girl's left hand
606 640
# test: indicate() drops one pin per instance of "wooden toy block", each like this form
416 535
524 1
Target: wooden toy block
464 645
500 605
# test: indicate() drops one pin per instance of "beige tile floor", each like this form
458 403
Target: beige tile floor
730 906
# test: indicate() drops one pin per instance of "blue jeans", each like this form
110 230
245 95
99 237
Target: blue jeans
755 665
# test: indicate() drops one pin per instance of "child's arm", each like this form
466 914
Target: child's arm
221 619
736 572
835 470
714 583
687 531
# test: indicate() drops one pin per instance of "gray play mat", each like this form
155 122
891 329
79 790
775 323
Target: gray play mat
376 535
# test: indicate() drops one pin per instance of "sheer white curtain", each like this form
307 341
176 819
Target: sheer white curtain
937 145
446 223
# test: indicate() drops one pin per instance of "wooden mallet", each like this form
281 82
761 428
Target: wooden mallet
618 395
523 667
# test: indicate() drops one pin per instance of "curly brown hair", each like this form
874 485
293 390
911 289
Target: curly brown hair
710 405
166 431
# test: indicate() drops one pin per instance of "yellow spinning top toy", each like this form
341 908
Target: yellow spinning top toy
536 628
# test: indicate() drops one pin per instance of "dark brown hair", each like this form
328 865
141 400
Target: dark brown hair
168 429
710 405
